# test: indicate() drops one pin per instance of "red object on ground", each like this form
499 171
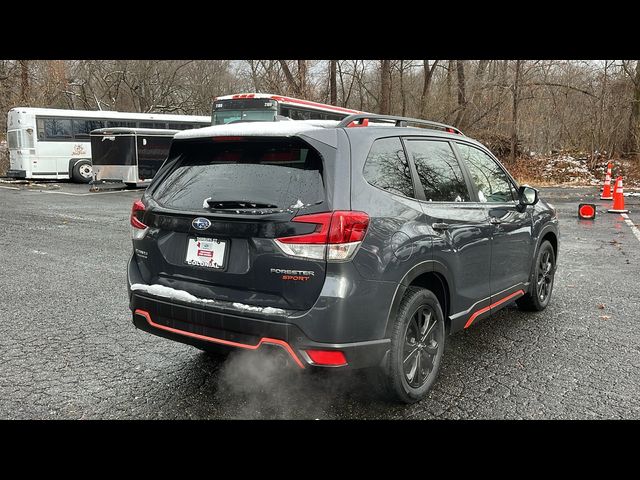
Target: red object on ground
618 198
606 191
587 211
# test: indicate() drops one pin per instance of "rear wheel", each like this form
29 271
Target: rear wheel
417 345
541 286
82 171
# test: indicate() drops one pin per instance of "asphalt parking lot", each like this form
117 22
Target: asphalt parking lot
68 349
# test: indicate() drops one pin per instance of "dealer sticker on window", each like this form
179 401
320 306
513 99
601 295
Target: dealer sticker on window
206 252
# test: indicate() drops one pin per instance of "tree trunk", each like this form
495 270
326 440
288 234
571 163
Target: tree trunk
514 117
633 140
333 84
450 81
385 87
291 81
24 81
462 95
426 86
403 94
302 79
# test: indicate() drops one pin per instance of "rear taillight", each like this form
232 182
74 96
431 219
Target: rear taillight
139 229
336 237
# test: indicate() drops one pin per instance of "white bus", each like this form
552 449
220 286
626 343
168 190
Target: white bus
266 106
53 144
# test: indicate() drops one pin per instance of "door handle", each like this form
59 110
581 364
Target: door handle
440 226
495 220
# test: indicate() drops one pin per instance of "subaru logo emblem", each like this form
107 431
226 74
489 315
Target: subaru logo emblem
201 223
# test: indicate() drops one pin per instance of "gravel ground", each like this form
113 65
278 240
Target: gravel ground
68 349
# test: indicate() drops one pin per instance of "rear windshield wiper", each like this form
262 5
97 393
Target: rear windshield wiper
237 204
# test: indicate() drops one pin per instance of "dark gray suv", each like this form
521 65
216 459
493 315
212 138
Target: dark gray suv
345 245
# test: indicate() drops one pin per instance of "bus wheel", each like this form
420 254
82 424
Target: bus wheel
83 171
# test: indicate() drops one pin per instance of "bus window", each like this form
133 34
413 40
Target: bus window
82 128
120 123
54 128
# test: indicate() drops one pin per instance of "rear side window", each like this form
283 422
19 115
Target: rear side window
279 173
438 171
387 167
490 180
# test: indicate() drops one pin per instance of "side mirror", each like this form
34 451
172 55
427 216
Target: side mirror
527 195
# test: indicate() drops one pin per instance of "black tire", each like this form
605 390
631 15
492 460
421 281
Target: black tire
541 283
410 353
82 172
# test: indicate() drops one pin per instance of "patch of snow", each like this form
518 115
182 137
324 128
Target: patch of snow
183 296
205 203
168 292
298 204
263 129
253 308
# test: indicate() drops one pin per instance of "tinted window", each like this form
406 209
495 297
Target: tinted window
12 140
82 128
120 123
490 180
54 128
180 126
152 125
280 173
387 167
438 170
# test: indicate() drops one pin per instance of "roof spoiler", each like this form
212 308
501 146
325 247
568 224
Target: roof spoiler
398 122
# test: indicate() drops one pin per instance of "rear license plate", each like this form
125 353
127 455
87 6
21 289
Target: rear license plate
206 252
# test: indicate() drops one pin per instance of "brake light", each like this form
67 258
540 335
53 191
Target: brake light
139 229
333 358
336 237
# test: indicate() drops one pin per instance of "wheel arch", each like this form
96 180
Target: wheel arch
74 161
433 276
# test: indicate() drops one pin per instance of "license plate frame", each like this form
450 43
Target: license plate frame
207 253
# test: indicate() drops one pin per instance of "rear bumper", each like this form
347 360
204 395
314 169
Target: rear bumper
199 327
17 173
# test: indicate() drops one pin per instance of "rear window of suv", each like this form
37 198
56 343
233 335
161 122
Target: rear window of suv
279 173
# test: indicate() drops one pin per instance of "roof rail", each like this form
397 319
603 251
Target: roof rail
399 121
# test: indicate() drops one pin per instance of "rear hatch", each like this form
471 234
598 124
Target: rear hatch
214 213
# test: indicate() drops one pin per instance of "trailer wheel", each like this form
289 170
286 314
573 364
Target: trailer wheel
82 171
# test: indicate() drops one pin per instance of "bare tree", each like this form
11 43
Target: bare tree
632 144
514 116
385 87
24 81
426 86
333 86
462 95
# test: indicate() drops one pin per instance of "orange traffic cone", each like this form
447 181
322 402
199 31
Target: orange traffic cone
618 198
606 190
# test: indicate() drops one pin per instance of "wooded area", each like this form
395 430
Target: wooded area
514 106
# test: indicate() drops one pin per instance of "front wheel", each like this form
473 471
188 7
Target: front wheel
82 171
417 345
541 287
